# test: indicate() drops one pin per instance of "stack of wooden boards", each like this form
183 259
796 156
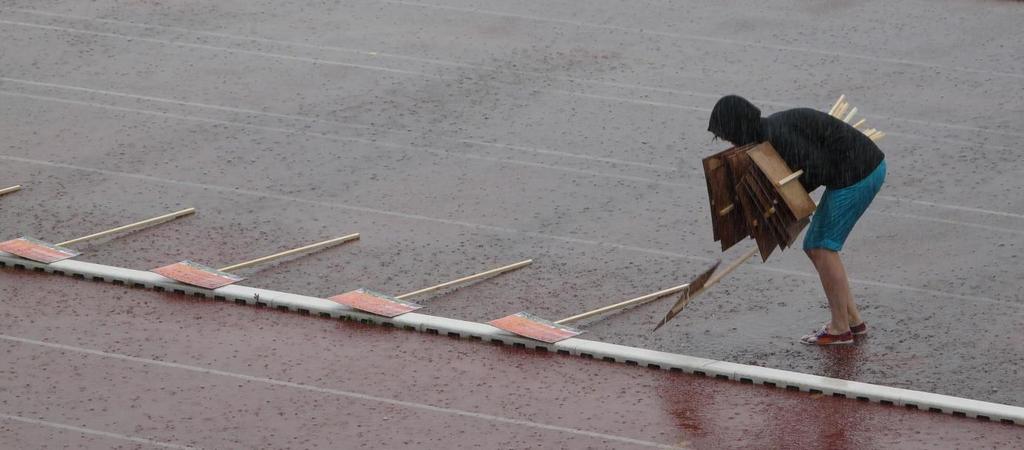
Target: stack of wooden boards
841 110
754 193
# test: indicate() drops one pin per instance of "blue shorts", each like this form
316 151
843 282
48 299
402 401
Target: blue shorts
839 211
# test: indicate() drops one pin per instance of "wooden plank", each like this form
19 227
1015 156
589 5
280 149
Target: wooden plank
375 303
196 274
534 327
728 225
716 197
8 190
767 218
775 168
739 164
765 208
835 106
795 228
781 217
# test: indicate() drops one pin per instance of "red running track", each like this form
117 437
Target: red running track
92 365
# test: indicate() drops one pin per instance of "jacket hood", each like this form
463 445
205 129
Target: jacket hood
736 120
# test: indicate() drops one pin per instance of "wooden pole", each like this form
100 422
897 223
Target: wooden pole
133 226
703 283
497 271
835 106
307 248
850 115
716 277
625 304
791 177
11 189
842 110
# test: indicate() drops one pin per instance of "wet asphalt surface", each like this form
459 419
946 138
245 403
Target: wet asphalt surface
459 136
179 371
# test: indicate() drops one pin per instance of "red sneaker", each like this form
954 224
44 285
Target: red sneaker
859 329
823 337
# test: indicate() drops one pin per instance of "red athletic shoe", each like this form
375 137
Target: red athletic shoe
823 337
858 330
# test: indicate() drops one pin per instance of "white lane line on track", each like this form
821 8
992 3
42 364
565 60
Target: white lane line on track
952 222
943 205
337 392
894 286
266 40
554 91
689 185
352 139
678 106
135 439
692 37
483 67
543 151
476 226
215 48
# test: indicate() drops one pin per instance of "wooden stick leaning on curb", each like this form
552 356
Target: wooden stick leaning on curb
535 327
390 306
132 226
9 190
195 274
622 305
307 248
478 276
47 253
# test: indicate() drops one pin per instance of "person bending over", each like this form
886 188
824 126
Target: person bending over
833 154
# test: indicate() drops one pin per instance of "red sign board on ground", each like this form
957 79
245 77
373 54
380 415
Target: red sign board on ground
375 302
196 274
533 327
37 250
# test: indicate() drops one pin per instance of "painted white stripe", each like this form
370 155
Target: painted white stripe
352 139
330 48
682 107
630 100
338 392
969 144
466 141
700 38
214 48
959 208
553 91
135 439
443 62
901 287
543 151
952 222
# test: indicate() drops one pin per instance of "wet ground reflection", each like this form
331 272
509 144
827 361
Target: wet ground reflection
712 413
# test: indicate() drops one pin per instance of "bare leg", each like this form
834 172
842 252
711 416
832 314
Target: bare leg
837 289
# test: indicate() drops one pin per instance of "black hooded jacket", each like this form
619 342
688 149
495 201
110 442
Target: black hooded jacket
832 153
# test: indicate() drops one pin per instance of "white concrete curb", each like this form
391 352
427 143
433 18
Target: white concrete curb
579 347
